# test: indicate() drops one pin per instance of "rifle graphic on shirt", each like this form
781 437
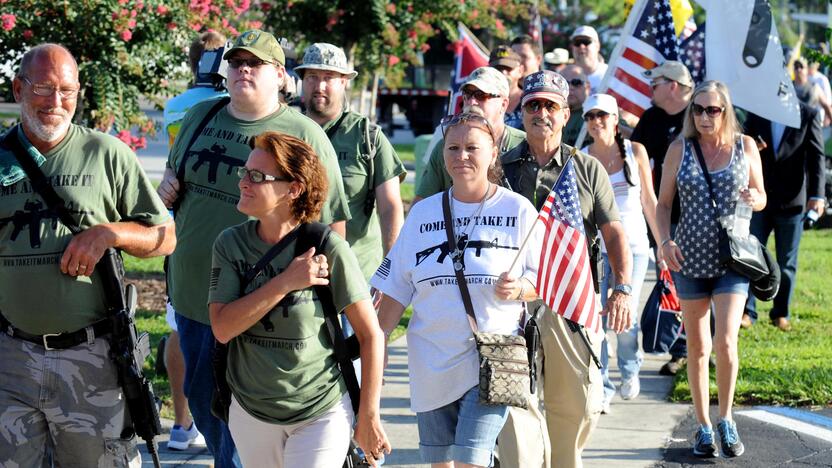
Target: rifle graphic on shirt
462 245
284 305
31 216
214 157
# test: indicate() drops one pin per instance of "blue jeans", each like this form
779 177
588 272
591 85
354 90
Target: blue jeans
464 431
197 343
787 232
629 356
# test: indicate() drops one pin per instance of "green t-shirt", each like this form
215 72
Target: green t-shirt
436 178
573 128
288 374
208 203
594 189
100 180
363 231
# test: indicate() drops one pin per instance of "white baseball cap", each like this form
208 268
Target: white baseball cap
603 102
586 31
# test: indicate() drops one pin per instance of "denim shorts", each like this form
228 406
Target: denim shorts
463 431
691 289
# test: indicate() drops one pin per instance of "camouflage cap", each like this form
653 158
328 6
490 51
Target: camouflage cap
488 80
260 43
504 56
545 84
323 56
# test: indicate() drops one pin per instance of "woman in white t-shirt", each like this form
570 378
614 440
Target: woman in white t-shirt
490 224
626 163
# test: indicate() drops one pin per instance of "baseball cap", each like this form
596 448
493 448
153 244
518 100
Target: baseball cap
603 102
323 56
556 57
672 70
260 43
504 56
488 80
545 84
586 31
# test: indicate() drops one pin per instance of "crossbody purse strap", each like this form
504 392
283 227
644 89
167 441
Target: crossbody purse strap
705 173
458 266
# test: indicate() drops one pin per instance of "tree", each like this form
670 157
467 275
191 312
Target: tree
125 49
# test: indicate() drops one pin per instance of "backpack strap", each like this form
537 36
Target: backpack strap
370 135
316 235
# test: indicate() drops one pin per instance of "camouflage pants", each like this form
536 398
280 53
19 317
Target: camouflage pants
66 403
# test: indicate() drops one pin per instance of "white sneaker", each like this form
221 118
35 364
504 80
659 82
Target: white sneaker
630 388
605 405
181 439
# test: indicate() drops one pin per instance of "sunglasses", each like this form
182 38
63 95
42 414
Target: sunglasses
453 120
477 94
236 63
712 111
657 83
576 82
48 90
535 106
590 116
581 42
257 177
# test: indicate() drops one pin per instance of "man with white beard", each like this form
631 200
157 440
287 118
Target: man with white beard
60 388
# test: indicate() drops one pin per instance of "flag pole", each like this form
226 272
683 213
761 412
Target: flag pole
629 27
534 225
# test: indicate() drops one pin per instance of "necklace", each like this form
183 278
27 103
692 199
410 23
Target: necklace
458 251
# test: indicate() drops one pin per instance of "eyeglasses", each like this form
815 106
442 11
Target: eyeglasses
712 111
48 90
236 63
453 120
477 94
576 82
534 106
590 116
581 42
657 83
258 177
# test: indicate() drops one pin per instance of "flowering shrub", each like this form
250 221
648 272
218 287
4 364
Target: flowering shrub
125 49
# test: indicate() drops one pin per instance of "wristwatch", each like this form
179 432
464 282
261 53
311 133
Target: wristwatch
623 288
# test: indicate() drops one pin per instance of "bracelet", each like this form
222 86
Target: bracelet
522 290
664 242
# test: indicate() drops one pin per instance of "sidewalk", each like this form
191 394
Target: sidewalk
633 435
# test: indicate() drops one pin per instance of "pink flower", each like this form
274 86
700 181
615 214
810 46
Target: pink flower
8 21
499 25
27 34
131 24
126 35
124 136
133 13
162 10
122 2
393 60
171 26
266 6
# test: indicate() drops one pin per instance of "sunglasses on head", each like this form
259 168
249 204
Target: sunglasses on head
453 120
712 111
236 63
534 106
590 116
257 177
477 94
576 82
582 41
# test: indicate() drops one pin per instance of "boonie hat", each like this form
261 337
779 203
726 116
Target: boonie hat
323 56
488 80
504 56
586 31
545 84
672 70
556 57
602 102
260 43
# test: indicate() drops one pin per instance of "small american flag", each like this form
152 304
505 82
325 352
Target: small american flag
652 41
564 279
692 54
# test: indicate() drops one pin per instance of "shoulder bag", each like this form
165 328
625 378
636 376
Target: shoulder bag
504 364
744 255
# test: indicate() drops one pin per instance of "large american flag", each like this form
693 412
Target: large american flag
651 42
692 54
564 279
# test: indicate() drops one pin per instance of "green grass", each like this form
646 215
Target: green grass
143 265
154 323
405 152
408 191
793 368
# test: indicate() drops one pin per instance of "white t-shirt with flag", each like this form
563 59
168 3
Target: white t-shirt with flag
418 270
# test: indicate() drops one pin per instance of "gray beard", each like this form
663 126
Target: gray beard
41 131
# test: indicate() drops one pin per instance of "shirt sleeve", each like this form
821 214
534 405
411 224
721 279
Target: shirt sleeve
386 164
336 207
393 277
431 181
225 282
346 281
531 256
137 198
